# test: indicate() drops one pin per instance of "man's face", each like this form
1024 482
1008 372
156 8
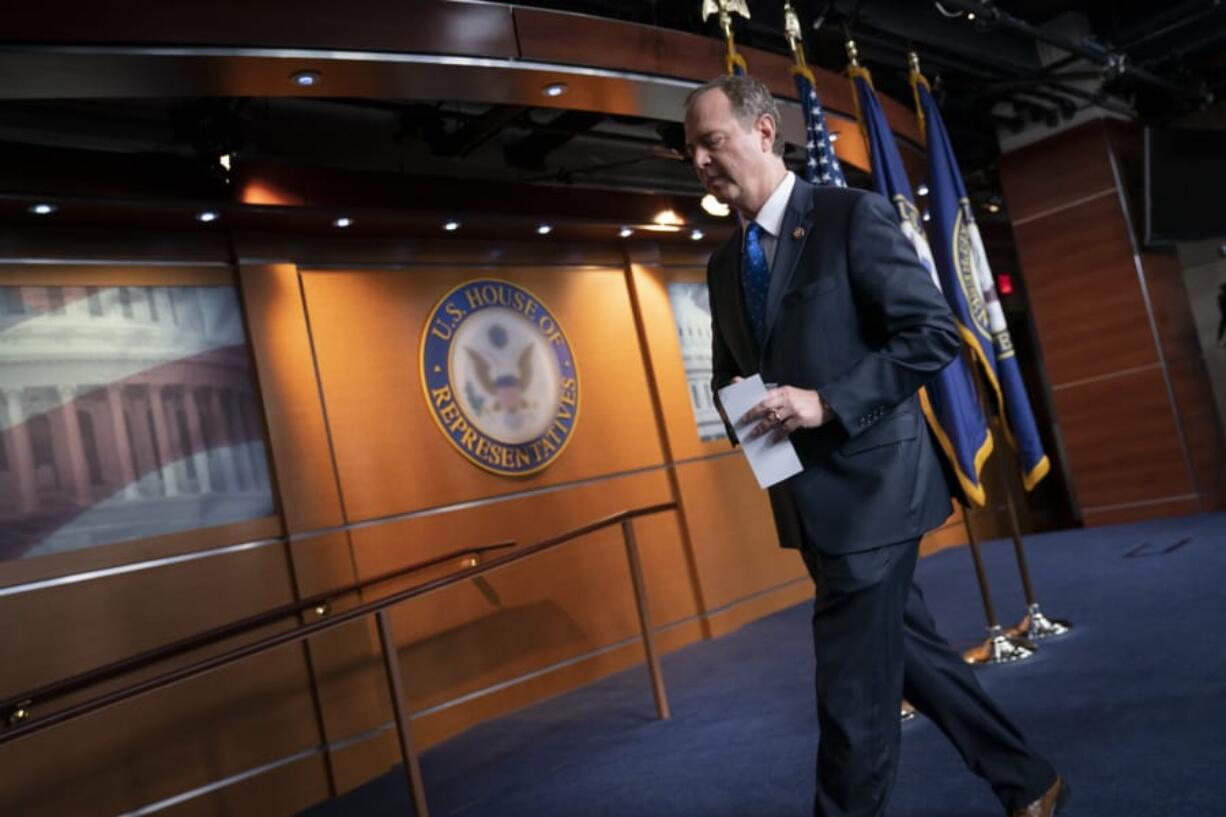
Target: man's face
731 161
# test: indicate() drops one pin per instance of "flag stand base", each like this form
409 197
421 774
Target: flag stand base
999 648
1035 626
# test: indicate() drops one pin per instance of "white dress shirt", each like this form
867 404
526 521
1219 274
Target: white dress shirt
770 217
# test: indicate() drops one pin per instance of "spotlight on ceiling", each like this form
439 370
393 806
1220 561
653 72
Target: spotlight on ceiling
43 208
306 79
834 136
342 222
668 218
922 190
555 89
206 216
451 226
714 206
927 216
226 160
544 229
625 232
696 235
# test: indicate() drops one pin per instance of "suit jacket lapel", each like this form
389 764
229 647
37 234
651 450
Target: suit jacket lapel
793 234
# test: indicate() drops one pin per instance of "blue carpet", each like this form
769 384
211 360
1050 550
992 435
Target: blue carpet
1130 707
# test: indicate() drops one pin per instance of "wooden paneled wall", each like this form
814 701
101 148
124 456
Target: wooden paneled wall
366 483
1129 385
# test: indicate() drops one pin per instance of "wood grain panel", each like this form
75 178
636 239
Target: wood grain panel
301 450
367 328
164 743
735 545
1198 416
1172 311
1122 516
1084 294
1056 171
281 792
1121 440
167 741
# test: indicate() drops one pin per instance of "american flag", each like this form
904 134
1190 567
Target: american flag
125 412
821 166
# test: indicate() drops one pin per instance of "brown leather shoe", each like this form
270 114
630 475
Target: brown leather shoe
1050 803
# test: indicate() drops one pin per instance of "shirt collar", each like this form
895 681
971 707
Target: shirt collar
770 217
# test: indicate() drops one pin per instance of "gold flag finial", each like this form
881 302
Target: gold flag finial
725 9
853 55
791 27
913 61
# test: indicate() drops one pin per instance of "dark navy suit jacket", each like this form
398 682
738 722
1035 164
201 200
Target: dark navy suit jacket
852 313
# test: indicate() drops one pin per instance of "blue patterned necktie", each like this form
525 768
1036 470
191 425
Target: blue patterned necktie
756 280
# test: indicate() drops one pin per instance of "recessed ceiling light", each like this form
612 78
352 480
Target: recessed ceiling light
696 235
668 217
43 208
714 206
206 216
451 226
342 222
927 216
225 160
555 89
306 79
625 232
970 15
834 136
993 207
544 229
922 189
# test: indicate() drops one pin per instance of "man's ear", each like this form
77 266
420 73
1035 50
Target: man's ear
767 128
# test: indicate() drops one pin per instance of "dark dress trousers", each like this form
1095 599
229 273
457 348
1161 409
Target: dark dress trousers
852 314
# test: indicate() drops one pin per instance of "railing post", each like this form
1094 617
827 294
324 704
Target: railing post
640 597
391 663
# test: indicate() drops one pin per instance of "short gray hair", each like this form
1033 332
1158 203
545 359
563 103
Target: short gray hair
750 99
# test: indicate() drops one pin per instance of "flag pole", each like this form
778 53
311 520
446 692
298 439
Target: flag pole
1034 624
1000 647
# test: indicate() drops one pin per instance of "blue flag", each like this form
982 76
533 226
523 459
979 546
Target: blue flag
822 166
971 291
949 400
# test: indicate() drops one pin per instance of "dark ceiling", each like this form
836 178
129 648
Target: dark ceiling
1017 69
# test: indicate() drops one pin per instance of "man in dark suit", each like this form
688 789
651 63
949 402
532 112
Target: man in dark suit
820 291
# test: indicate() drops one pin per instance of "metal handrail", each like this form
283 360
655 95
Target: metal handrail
304 631
205 638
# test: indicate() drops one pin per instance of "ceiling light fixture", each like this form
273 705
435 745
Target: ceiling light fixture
625 232
451 226
927 216
306 79
696 235
834 136
922 189
544 229
668 218
206 216
715 207
555 89
43 209
342 222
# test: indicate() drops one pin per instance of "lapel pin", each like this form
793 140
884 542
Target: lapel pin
799 232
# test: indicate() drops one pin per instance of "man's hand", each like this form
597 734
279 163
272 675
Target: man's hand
786 409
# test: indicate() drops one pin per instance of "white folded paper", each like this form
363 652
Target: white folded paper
772 460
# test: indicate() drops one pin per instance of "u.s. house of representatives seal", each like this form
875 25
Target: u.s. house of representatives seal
500 377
